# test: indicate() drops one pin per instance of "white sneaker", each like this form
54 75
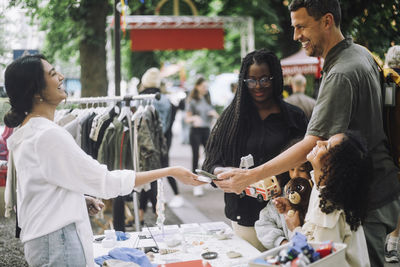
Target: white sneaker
176 202
198 191
391 254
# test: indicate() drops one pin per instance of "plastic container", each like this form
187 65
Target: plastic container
110 240
337 258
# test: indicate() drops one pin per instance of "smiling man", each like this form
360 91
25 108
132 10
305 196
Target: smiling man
349 99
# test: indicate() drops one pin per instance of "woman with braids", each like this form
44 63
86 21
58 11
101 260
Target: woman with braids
54 173
338 203
257 122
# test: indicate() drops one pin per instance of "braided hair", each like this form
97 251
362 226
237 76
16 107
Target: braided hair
347 173
227 139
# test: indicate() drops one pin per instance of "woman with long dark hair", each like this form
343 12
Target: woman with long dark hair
257 122
54 173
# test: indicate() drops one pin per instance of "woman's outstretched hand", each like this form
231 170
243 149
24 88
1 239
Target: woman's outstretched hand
185 176
234 180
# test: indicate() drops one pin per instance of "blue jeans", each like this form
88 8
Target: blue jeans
60 248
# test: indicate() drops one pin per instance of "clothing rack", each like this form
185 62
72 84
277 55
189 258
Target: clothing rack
101 99
116 99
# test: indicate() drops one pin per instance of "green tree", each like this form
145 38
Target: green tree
79 26
2 41
73 26
374 24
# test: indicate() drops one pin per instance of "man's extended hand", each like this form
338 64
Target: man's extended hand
219 170
234 181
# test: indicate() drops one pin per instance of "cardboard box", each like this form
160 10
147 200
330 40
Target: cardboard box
337 258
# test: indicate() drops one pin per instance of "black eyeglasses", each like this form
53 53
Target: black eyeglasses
264 82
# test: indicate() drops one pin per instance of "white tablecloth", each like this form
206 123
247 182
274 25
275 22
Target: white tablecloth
196 240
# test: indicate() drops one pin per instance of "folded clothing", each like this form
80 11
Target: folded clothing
126 254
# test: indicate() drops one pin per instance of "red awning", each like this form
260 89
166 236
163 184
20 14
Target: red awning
149 33
301 63
174 39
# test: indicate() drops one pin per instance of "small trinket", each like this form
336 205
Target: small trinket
233 254
172 242
165 251
209 255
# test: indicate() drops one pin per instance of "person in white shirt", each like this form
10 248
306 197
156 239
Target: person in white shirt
54 173
339 198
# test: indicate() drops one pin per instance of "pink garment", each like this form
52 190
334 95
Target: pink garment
3 143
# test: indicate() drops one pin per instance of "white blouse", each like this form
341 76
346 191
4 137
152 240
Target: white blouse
53 174
319 227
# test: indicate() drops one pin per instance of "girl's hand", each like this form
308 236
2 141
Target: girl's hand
292 219
185 176
282 204
284 242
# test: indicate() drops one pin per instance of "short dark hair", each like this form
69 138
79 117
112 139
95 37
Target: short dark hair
23 78
318 8
347 173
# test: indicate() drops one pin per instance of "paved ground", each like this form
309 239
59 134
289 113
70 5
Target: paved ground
11 251
209 207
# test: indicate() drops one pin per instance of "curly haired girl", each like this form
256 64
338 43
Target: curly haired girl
339 199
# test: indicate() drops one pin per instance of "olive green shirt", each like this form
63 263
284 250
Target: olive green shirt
350 99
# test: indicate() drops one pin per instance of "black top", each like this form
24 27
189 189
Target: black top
267 139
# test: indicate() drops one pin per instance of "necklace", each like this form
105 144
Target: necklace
34 115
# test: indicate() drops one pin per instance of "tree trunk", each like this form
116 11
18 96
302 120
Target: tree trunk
286 43
92 48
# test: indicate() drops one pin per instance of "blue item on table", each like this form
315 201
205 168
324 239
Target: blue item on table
126 254
101 259
122 236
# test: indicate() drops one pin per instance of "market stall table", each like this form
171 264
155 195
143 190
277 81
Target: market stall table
192 241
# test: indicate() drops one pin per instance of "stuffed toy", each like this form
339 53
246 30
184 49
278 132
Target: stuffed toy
298 191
